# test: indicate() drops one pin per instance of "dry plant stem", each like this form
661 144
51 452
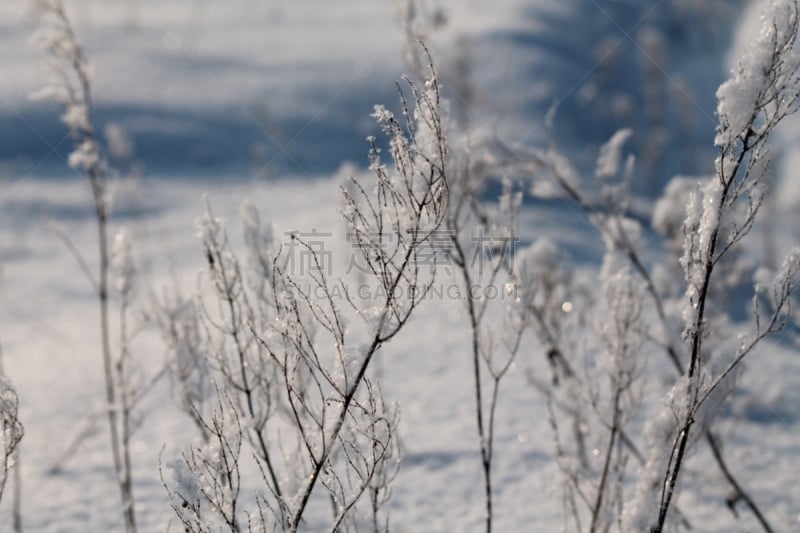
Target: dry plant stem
221 469
84 135
571 476
672 353
464 205
425 210
347 400
16 505
622 437
483 442
97 182
697 330
11 433
324 390
230 471
497 376
125 406
485 434
76 254
630 251
216 261
311 482
740 151
98 191
679 448
378 454
740 492
601 488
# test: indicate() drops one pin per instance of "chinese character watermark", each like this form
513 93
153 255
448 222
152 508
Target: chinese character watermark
311 251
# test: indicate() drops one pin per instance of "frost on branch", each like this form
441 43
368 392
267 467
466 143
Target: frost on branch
74 92
669 211
762 91
223 266
621 329
293 376
786 281
659 435
545 288
608 162
700 230
206 481
12 428
123 264
188 357
772 320
72 89
409 202
763 88
621 333
119 142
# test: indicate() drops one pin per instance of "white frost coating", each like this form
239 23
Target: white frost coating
611 154
222 263
700 227
709 222
119 142
537 260
613 261
53 93
510 201
760 75
660 433
694 211
428 118
382 115
624 229
208 227
85 156
763 277
55 40
787 280
789 268
9 416
380 320
620 326
543 279
122 262
669 211
76 117
545 189
352 359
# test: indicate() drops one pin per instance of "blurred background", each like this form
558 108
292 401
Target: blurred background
264 88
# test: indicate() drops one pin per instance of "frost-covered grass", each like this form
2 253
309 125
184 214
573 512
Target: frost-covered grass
49 335
50 339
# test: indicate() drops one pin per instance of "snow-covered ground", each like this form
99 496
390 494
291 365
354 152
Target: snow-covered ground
264 101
